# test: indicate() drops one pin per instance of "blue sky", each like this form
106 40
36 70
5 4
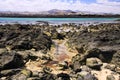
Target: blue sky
107 6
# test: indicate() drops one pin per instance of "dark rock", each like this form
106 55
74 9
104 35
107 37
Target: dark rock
63 65
56 35
24 37
105 56
101 41
9 72
10 60
23 45
27 55
63 76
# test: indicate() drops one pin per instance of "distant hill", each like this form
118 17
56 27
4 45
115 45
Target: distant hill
56 13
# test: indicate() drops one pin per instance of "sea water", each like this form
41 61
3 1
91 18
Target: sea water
4 20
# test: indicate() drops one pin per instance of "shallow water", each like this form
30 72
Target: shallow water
4 20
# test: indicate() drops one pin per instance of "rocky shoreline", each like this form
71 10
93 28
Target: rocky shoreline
60 52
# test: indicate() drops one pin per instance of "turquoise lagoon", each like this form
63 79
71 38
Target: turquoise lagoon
4 20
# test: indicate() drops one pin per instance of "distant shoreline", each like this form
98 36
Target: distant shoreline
61 16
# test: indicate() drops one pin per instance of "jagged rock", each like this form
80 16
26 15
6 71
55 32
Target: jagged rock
10 60
24 37
94 63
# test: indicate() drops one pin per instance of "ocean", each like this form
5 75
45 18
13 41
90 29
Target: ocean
8 20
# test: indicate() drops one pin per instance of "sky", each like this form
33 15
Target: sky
106 6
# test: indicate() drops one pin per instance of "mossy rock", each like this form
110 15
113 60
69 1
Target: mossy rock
26 72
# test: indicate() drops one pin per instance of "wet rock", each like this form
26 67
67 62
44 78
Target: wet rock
110 77
94 63
10 60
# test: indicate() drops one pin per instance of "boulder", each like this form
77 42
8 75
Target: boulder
10 60
94 63
105 56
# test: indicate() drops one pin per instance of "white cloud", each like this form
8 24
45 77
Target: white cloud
108 2
43 5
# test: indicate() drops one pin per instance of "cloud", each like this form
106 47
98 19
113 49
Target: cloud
109 2
43 5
